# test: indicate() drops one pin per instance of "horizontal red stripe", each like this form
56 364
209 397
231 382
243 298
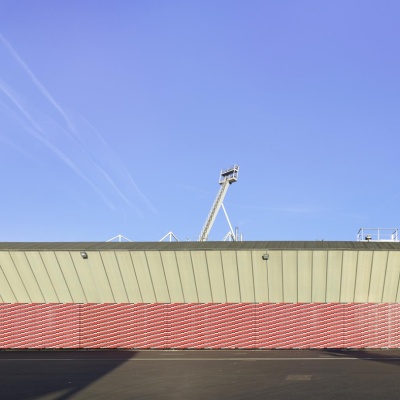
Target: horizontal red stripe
227 325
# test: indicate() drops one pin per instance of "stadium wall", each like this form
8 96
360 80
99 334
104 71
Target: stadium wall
150 295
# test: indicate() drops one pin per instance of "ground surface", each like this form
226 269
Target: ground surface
203 374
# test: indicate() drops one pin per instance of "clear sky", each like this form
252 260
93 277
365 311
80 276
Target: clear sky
116 117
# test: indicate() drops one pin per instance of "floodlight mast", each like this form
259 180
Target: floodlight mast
227 177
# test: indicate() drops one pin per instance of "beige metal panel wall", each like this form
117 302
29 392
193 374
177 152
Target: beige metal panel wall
260 267
392 276
158 277
143 276
6 293
304 276
231 275
378 272
363 276
202 277
172 276
28 277
114 277
56 277
275 276
246 276
319 275
85 271
42 277
396 261
289 272
334 276
12 287
129 277
98 275
349 272
217 281
71 277
186 273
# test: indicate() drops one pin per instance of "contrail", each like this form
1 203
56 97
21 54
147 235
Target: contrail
36 131
17 102
37 82
63 157
152 208
70 129
131 180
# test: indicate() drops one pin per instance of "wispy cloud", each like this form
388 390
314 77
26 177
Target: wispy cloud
92 164
36 81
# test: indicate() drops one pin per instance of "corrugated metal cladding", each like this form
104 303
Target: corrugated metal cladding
200 295
210 272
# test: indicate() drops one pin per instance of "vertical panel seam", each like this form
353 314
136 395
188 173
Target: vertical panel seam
297 276
252 272
341 277
37 283
62 273
12 291
223 276
326 274
370 275
120 274
179 276
194 276
208 274
398 283
266 266
355 279
79 279
151 278
238 275
96 286
312 275
384 277
282 277
165 276
134 272
52 284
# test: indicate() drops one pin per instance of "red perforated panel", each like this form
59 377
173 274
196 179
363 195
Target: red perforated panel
39 326
199 326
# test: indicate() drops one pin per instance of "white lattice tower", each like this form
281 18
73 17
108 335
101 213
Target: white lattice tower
227 177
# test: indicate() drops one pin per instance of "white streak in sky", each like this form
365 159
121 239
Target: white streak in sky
141 194
36 81
18 148
38 133
130 179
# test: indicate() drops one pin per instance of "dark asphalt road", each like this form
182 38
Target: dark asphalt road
203 374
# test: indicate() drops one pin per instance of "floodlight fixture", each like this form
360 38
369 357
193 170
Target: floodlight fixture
84 255
265 257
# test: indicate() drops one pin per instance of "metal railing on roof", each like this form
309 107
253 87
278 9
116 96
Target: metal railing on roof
378 235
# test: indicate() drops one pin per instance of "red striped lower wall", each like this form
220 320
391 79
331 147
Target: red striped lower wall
198 326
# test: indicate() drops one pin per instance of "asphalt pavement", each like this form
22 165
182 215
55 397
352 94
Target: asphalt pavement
200 374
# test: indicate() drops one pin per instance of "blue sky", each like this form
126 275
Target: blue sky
116 117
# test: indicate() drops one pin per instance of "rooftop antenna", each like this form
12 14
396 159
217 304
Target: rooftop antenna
227 177
119 238
170 235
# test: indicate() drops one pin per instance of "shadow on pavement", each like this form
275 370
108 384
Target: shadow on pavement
387 356
58 375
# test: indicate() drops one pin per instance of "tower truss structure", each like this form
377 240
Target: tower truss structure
227 177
